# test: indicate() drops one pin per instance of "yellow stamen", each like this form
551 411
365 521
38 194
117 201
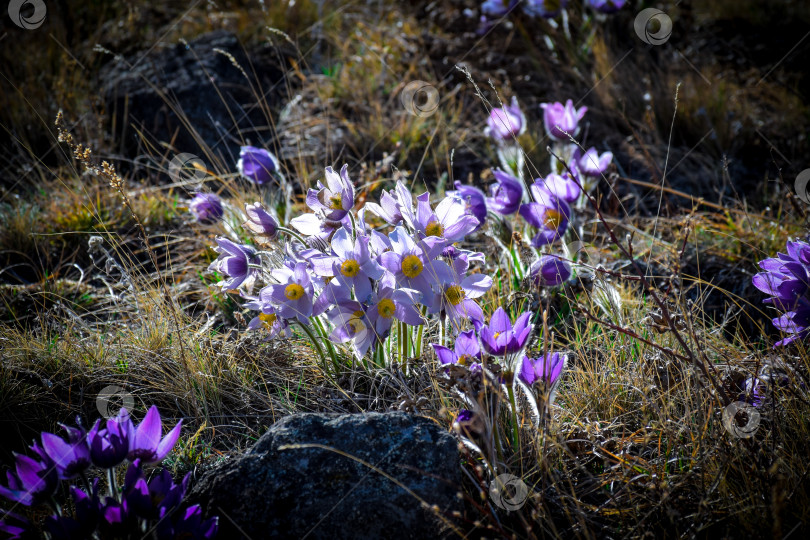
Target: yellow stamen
293 291
553 219
434 228
349 268
386 308
464 360
411 266
268 319
454 294
336 202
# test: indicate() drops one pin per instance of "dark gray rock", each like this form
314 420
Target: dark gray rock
190 95
278 490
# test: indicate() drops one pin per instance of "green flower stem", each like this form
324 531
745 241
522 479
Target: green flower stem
515 433
329 347
293 234
314 341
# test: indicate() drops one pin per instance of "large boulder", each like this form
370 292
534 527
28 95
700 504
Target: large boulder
194 95
338 476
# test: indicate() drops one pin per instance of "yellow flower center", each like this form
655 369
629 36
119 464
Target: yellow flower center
293 291
454 294
349 268
336 202
434 228
495 335
268 319
411 266
386 308
356 324
553 219
464 360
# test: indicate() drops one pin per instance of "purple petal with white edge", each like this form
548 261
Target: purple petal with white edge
342 244
461 228
476 285
499 322
470 309
466 343
168 442
307 224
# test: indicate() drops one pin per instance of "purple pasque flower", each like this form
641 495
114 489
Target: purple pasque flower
591 163
500 337
292 296
450 220
109 445
475 202
543 370
351 264
145 441
153 499
549 215
336 198
607 6
543 8
562 186
413 265
257 164
456 297
188 523
207 208
33 481
506 195
505 123
562 120
389 207
237 262
260 222
391 303
352 324
465 352
786 278
268 319
72 457
550 271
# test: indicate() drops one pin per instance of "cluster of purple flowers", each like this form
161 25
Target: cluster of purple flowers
786 279
547 206
126 513
339 269
500 340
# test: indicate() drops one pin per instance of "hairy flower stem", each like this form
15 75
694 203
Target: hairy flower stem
329 347
315 343
293 234
112 485
515 433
